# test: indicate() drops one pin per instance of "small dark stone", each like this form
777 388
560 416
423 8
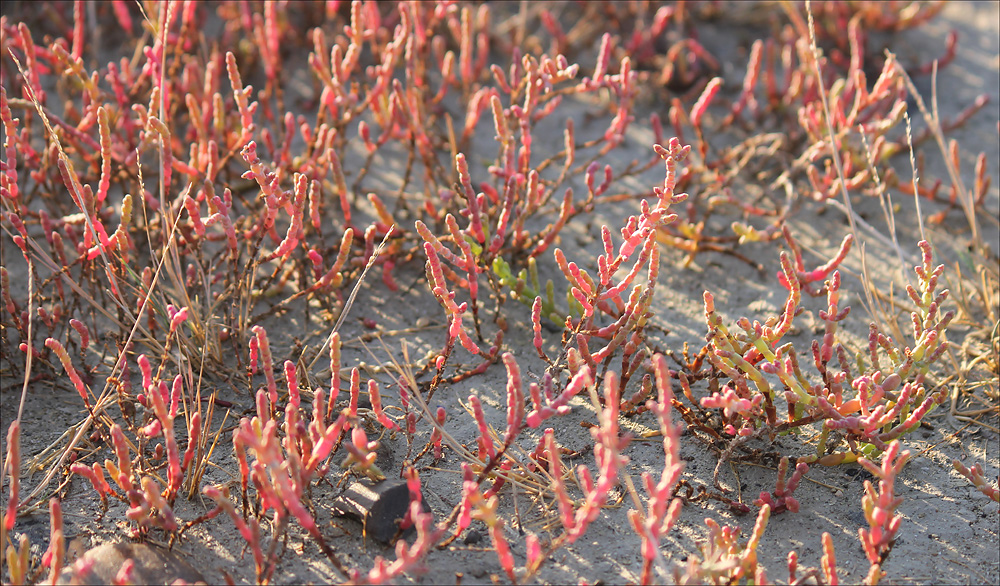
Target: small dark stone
379 506
472 537
153 565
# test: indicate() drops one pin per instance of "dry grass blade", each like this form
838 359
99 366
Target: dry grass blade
350 299
105 398
915 180
933 121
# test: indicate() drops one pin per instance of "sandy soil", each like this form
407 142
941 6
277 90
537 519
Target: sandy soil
949 532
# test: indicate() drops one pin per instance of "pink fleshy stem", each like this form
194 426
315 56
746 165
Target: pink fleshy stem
502 548
230 231
105 130
315 204
477 103
613 293
751 77
175 475
487 449
9 177
699 108
177 317
976 476
254 352
165 518
558 405
603 56
194 213
499 120
240 448
328 441
515 398
607 451
81 329
334 372
333 277
318 416
376 401
829 561
78 25
505 213
536 323
439 249
470 497
880 508
32 56
384 216
154 124
468 261
194 433
352 408
821 272
9 303
361 452
773 335
482 40
566 510
294 233
12 463
74 376
437 439
122 473
465 46
241 94
268 365
55 555
96 477
455 311
580 278
476 226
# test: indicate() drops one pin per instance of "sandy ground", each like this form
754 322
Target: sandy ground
949 532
